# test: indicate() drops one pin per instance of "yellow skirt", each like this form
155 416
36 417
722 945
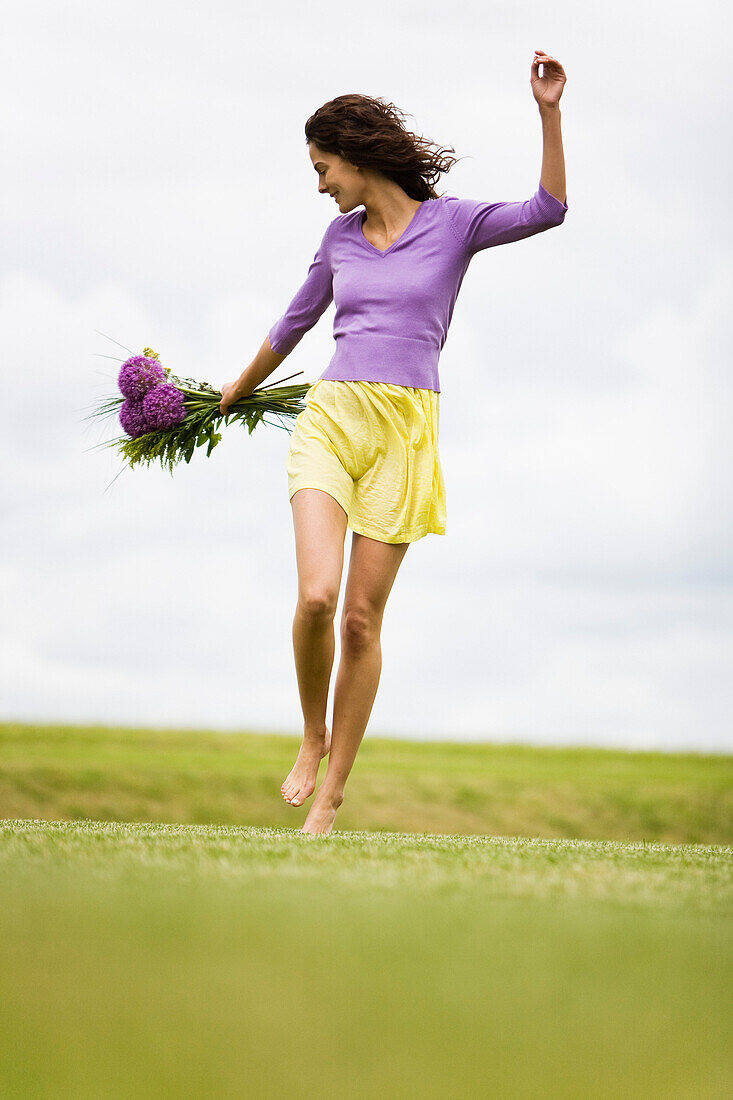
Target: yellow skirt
373 447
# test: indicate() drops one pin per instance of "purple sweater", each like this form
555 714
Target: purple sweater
394 308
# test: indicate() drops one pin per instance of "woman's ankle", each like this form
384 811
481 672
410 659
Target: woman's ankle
331 794
314 731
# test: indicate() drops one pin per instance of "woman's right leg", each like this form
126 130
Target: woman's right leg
320 530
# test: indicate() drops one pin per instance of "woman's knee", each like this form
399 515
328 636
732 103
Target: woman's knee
318 602
360 627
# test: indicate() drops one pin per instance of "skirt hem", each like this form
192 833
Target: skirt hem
323 489
383 536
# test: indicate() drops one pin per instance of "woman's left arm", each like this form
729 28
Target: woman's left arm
547 90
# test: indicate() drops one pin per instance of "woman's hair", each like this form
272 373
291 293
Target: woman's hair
369 133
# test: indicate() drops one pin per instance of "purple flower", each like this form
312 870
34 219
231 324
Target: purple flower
163 406
132 418
138 374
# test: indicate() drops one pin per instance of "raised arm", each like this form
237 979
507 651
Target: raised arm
547 90
481 225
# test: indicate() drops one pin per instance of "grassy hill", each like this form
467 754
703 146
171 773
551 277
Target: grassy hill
68 773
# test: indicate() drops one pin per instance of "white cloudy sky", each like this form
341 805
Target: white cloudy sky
157 188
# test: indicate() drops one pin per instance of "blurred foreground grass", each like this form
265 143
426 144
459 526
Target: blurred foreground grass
68 773
203 961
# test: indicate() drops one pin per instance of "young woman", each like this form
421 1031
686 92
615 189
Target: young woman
364 451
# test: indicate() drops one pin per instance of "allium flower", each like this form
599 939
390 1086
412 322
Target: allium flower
138 374
163 406
132 418
165 417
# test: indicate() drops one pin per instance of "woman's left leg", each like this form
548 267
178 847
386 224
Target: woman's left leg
372 570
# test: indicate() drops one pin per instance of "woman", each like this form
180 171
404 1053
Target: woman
364 450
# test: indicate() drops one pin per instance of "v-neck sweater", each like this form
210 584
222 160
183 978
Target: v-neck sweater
394 307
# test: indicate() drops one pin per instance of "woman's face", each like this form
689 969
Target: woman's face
336 177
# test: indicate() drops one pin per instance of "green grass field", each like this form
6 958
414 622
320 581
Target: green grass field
72 773
204 961
161 957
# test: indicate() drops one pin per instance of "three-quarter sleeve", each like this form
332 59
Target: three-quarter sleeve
486 224
310 302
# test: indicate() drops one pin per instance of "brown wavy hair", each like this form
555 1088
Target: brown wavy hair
369 133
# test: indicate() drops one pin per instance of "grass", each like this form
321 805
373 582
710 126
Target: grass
157 960
484 921
67 773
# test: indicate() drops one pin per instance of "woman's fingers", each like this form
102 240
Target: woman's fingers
227 396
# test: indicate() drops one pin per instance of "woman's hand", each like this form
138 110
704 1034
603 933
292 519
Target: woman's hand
547 89
230 393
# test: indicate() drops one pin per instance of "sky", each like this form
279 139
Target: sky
158 190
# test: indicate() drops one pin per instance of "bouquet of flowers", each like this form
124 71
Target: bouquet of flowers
165 417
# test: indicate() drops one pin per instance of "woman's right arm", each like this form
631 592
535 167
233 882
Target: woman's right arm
264 363
311 300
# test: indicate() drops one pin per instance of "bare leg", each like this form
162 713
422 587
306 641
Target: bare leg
320 529
372 571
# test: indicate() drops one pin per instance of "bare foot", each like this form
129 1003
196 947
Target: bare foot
301 782
322 813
